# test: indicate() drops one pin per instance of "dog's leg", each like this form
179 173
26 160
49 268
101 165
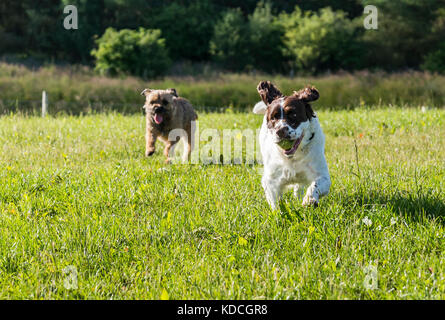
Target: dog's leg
317 189
150 141
188 140
272 191
298 191
169 150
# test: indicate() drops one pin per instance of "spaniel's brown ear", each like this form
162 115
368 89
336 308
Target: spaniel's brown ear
307 94
146 92
172 92
309 112
268 92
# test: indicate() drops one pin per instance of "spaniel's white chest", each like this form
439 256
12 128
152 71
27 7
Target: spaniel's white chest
297 169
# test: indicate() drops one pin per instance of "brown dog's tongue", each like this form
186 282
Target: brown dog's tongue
158 118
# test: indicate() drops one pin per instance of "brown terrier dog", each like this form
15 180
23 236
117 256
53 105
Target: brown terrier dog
167 114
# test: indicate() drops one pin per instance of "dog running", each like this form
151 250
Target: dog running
165 111
292 145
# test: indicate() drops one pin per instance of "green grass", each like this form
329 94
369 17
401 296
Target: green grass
77 191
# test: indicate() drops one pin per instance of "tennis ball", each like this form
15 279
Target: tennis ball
286 144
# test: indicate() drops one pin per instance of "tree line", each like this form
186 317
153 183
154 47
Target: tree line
144 37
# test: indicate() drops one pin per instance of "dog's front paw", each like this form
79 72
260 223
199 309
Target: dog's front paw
310 201
149 152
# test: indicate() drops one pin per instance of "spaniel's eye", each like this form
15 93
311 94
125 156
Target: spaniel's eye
164 102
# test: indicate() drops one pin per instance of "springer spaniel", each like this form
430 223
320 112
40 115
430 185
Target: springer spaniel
292 145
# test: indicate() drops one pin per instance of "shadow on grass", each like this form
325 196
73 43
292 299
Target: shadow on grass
414 206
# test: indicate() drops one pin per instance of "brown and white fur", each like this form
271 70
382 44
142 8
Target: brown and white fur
166 112
291 118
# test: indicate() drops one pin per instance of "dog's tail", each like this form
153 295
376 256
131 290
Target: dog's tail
260 108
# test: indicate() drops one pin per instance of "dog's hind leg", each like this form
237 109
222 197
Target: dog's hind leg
188 143
173 138
169 151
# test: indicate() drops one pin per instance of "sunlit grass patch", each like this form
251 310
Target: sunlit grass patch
78 192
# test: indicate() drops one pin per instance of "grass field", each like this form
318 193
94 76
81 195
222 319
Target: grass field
78 192
78 90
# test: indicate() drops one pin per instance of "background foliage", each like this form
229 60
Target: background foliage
141 52
321 41
276 36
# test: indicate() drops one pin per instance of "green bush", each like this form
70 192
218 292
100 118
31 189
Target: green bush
187 28
408 30
240 44
435 61
320 41
137 52
230 41
265 44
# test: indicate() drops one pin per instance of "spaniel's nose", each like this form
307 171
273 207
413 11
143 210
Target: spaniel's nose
282 132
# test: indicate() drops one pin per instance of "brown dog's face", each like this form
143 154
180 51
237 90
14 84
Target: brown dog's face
287 116
158 104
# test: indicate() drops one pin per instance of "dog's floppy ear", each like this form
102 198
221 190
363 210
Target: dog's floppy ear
268 92
172 92
307 94
145 92
260 108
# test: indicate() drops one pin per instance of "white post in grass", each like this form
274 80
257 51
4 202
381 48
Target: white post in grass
44 103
